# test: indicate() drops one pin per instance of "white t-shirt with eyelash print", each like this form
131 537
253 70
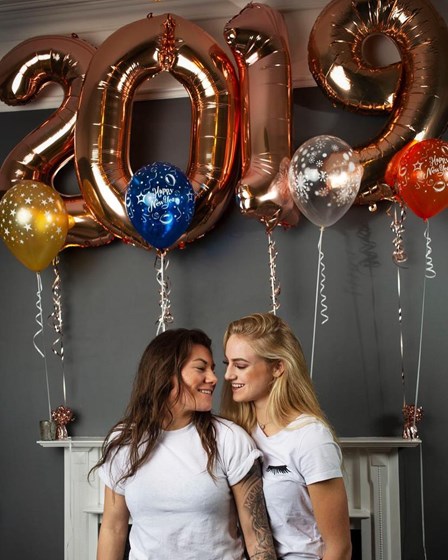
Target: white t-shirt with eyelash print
302 453
178 511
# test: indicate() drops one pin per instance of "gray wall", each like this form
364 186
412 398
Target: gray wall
110 306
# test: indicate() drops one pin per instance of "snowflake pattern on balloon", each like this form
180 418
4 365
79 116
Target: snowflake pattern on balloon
324 177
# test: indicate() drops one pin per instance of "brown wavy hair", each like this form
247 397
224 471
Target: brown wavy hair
148 411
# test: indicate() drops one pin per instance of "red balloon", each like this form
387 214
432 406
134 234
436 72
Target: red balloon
390 176
422 177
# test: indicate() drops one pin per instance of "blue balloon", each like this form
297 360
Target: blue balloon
160 203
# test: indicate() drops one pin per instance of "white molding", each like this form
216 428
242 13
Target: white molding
384 443
95 20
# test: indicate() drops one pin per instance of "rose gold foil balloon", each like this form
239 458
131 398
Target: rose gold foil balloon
258 39
131 55
417 97
24 71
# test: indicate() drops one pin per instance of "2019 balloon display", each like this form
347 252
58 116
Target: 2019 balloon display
33 223
160 203
416 91
324 178
24 72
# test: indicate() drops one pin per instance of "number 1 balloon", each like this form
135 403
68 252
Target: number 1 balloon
258 38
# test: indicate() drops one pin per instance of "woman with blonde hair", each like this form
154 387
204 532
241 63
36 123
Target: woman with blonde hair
270 394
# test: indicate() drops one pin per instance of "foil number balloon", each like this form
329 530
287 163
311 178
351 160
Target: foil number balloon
24 71
416 91
129 56
258 39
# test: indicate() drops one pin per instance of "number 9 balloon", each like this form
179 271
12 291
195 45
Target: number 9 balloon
417 96
134 53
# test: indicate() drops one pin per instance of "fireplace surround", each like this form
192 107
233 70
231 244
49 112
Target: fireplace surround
371 473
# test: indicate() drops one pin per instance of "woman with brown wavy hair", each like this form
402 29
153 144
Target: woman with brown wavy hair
270 394
188 479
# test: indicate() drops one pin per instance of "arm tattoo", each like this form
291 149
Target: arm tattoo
255 504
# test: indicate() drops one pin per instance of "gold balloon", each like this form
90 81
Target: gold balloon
258 39
131 55
33 223
24 72
415 91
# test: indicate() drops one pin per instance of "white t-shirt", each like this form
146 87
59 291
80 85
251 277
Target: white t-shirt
178 511
302 453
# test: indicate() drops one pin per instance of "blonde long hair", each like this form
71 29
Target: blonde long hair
292 392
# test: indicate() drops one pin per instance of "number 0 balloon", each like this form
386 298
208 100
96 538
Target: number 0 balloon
134 53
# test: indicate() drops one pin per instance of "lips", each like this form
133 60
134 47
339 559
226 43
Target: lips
236 386
206 391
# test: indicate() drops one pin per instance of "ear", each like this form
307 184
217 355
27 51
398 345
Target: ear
279 369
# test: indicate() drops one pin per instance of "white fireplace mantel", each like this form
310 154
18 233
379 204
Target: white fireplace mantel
371 474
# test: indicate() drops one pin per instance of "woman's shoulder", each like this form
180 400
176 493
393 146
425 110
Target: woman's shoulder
307 425
228 428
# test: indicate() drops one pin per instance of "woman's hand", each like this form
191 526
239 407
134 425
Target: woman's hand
251 507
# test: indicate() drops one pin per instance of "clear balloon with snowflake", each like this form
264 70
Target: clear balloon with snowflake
324 178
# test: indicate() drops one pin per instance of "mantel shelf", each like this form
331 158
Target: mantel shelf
345 442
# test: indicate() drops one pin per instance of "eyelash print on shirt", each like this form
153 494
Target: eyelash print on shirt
281 469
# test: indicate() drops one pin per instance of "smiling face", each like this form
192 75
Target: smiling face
195 393
250 376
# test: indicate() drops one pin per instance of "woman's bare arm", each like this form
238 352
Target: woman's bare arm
114 527
251 507
330 506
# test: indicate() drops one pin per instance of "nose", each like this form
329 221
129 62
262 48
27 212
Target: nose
228 374
211 377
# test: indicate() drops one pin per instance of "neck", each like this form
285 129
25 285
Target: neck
261 414
176 423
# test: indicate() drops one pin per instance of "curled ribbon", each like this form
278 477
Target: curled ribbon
161 264
275 286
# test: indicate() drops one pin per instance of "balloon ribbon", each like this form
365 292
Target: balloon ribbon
275 286
320 288
40 331
161 264
56 322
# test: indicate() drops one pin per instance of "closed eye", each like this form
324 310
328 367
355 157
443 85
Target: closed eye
281 469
